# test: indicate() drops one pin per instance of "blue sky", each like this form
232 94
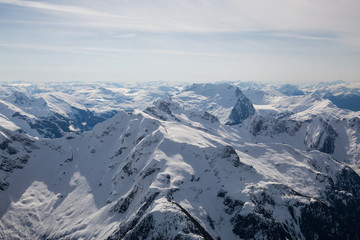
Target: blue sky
180 40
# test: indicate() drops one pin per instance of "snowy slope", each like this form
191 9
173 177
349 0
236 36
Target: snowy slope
176 168
224 101
308 106
137 175
55 109
338 137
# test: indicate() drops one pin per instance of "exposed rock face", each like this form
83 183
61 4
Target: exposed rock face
335 217
242 109
205 116
269 126
320 136
316 134
355 123
166 109
224 101
14 154
163 109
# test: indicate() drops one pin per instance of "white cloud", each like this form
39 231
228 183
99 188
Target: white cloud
57 7
335 19
87 50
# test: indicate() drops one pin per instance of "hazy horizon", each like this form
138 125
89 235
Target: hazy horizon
203 41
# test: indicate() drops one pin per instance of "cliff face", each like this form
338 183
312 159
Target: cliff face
242 110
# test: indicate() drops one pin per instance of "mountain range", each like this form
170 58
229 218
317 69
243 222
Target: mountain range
234 160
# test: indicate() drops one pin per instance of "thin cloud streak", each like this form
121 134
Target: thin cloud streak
295 36
57 7
300 16
96 49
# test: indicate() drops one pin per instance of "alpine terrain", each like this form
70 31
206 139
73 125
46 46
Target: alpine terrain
235 160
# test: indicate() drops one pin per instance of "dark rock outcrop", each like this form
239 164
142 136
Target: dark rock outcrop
242 109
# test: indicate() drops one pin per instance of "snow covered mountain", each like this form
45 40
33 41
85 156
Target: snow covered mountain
225 101
200 162
55 109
